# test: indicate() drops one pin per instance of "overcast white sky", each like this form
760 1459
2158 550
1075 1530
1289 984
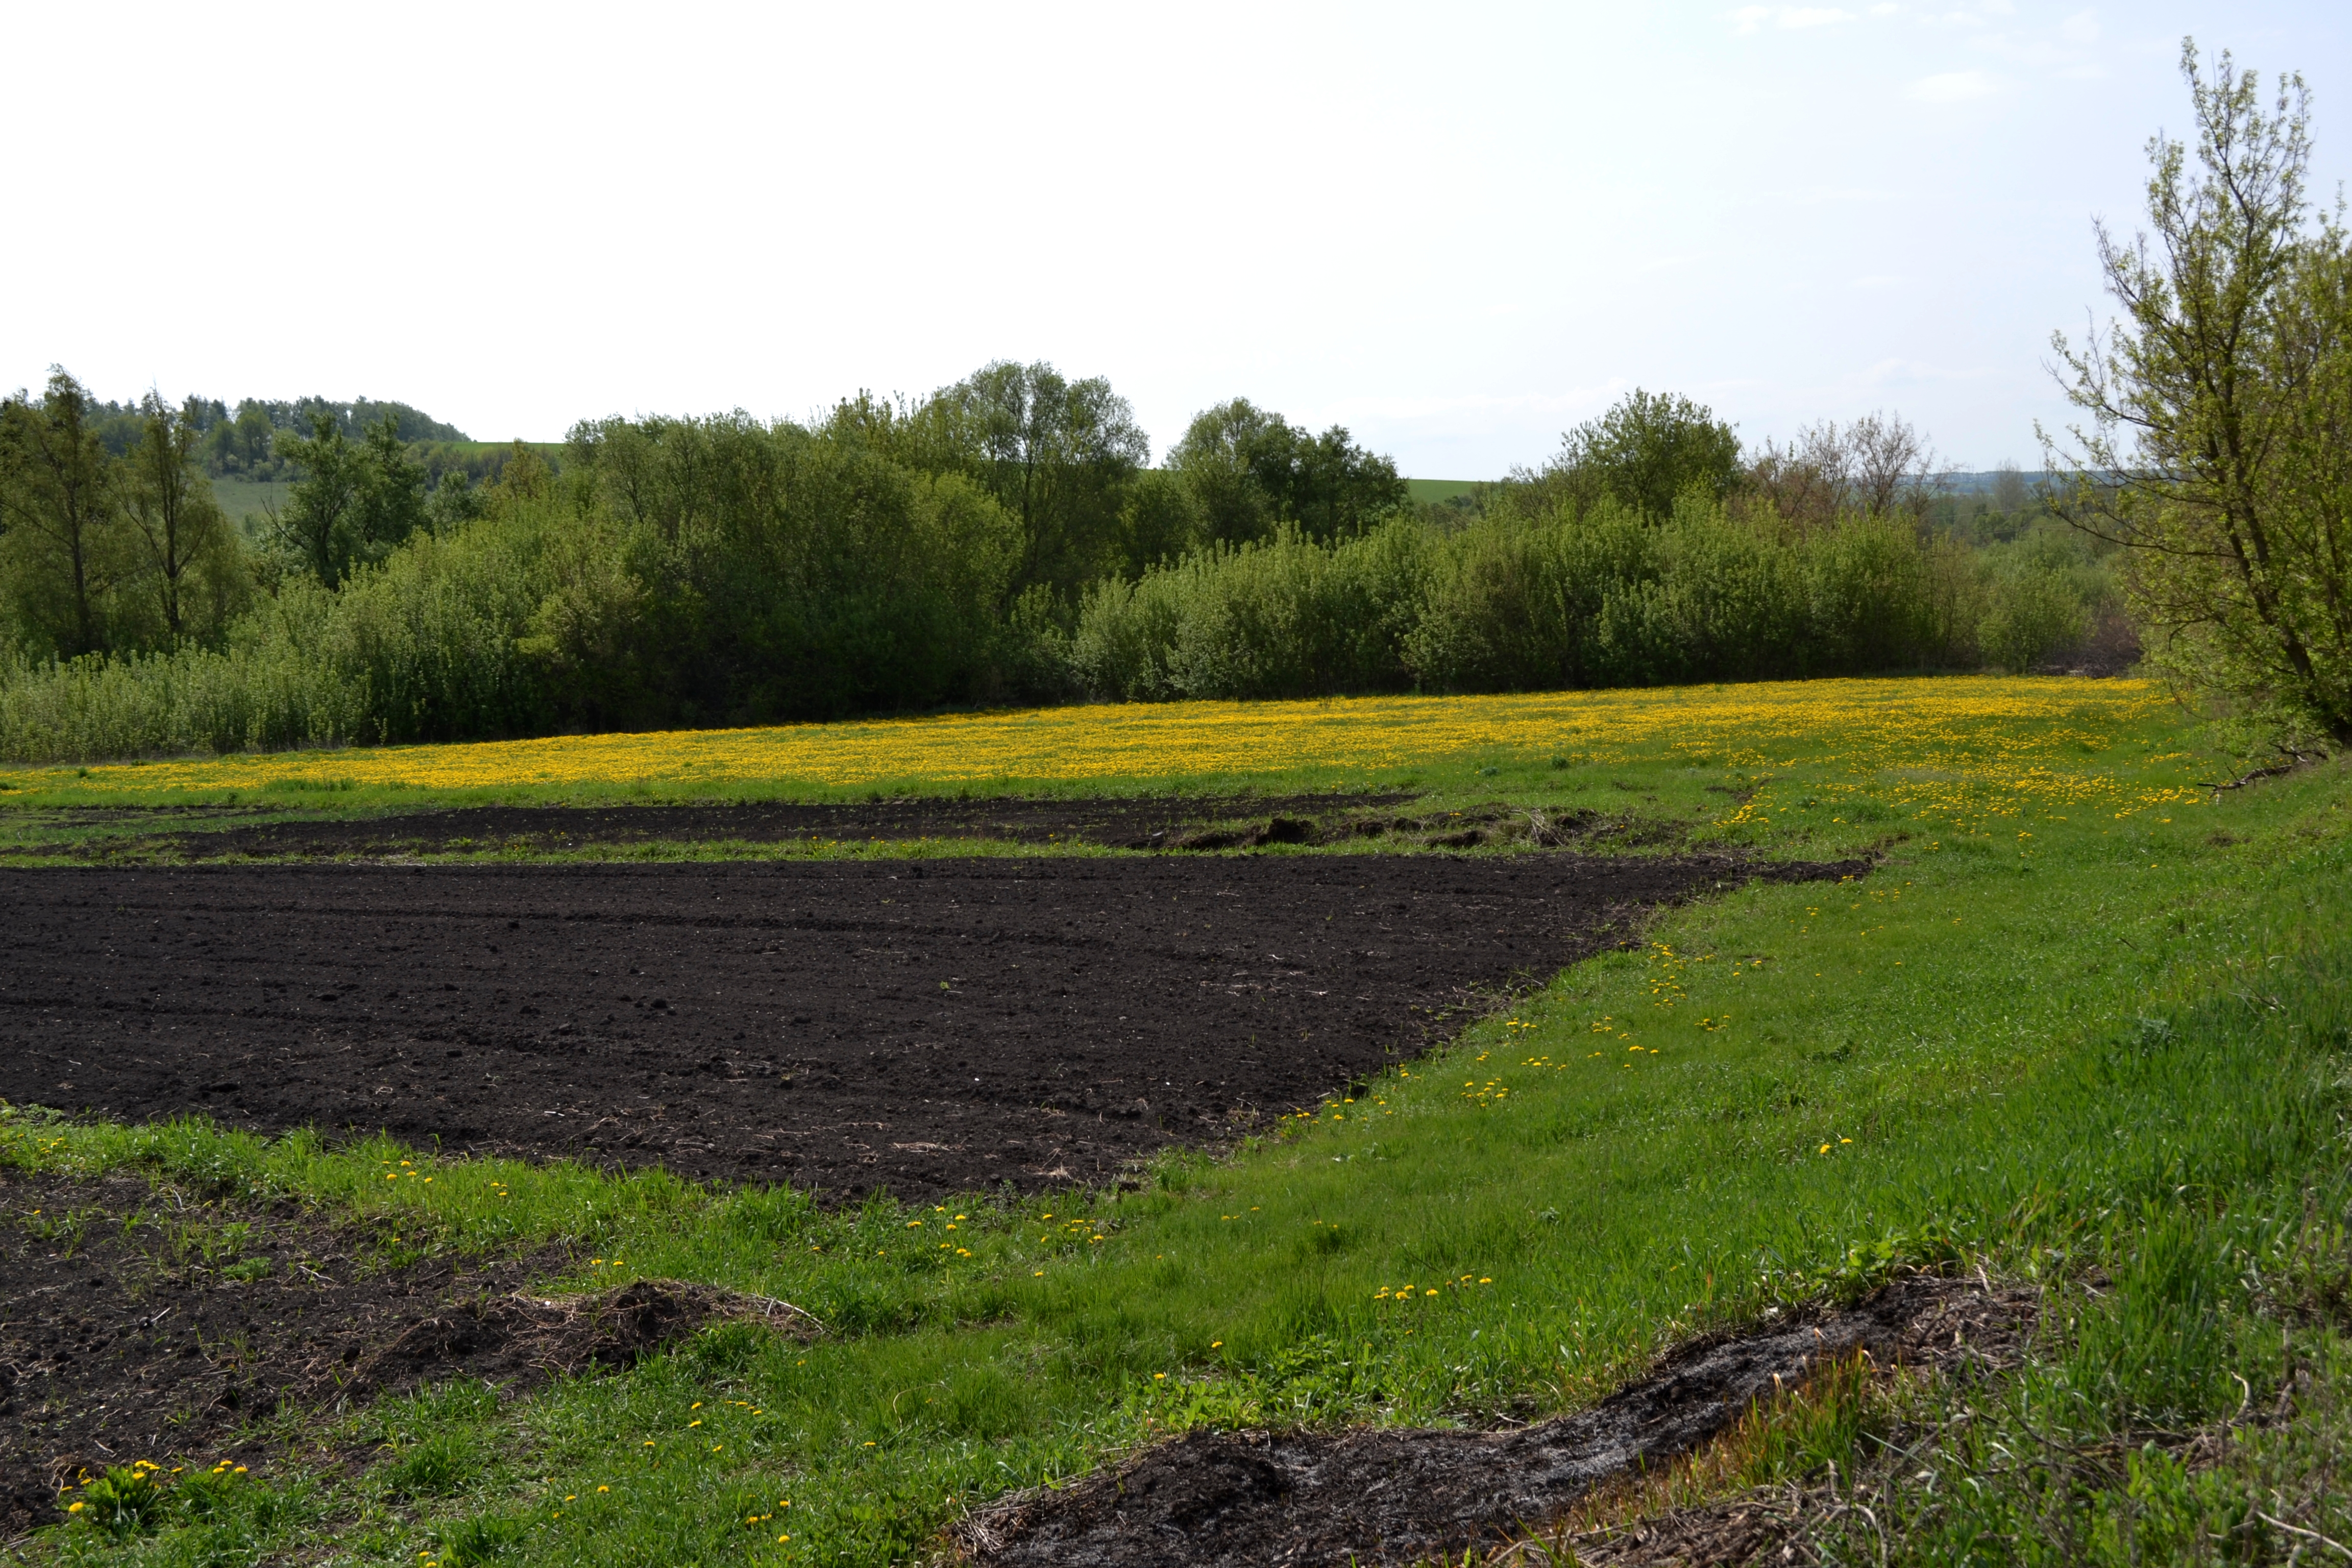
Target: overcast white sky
1457 229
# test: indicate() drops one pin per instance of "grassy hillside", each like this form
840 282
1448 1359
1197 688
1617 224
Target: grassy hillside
247 501
1439 490
2083 1027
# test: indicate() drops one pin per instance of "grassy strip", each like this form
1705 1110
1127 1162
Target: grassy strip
2188 1397
1978 1051
1822 768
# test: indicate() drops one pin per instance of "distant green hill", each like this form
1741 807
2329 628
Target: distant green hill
1435 491
247 501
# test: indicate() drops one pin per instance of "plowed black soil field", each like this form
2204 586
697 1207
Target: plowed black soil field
922 1026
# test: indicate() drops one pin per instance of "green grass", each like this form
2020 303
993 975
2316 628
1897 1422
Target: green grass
45 809
248 503
1432 490
2117 1044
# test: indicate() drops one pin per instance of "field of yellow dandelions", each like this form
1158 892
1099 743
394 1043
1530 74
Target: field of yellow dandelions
1963 745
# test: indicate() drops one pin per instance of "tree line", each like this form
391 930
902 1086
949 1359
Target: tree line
1007 539
243 443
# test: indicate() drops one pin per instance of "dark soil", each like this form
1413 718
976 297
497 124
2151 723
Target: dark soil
158 835
1145 822
1364 1497
142 1323
924 1027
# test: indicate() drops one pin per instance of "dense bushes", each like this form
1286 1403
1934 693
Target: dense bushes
1602 597
1286 617
871 588
685 571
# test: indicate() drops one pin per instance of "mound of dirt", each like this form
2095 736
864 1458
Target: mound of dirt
135 1324
1210 1500
927 1026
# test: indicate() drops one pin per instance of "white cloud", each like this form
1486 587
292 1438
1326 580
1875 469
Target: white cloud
1828 196
1752 18
1886 375
2082 28
1954 86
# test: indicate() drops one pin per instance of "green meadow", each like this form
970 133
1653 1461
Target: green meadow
2100 1052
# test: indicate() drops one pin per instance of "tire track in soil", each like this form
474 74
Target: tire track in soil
919 1026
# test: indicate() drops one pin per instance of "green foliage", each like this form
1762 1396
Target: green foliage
104 551
1800 1435
437 1464
246 446
241 446
486 1538
65 546
1280 617
354 503
209 1494
1646 453
2033 615
1056 455
1598 598
2217 451
1251 473
196 570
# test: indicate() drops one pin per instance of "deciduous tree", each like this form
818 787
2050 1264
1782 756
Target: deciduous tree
172 506
1251 471
1058 454
2218 444
354 503
1648 450
60 509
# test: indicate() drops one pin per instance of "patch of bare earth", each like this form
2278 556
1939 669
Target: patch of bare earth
138 1324
1209 1499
